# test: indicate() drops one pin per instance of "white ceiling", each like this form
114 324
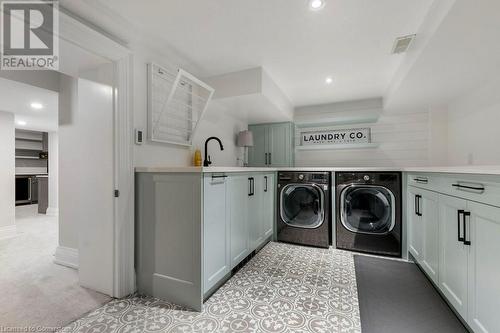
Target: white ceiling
350 40
461 55
16 98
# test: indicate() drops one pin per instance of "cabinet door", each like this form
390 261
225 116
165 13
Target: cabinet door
280 144
215 231
255 212
454 254
415 226
268 205
430 221
257 155
239 193
483 231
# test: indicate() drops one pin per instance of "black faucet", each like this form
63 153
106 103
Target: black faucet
207 161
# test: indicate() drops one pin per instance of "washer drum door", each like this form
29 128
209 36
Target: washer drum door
302 205
368 209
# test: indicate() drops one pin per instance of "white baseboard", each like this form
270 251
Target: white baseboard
52 211
8 231
66 256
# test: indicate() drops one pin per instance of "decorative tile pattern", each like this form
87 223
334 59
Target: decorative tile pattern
284 288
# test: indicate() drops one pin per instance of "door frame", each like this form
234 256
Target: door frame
72 30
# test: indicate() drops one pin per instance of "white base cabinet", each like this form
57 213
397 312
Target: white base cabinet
456 240
423 230
484 268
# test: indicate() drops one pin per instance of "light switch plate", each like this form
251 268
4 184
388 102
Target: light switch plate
139 137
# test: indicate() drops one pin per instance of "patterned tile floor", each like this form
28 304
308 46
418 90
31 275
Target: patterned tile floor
284 288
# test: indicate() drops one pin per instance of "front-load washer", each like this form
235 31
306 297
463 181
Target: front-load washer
304 208
368 212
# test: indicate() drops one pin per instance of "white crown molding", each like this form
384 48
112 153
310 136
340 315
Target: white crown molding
66 256
8 231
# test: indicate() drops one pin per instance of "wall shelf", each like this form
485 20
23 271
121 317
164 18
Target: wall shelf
339 146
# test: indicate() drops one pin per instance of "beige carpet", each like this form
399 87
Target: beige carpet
33 290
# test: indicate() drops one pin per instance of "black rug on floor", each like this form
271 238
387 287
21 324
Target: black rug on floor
396 297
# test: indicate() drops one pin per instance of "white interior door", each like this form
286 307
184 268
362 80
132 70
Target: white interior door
86 179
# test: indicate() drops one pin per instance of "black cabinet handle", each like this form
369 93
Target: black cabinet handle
265 158
421 180
218 176
417 205
474 188
265 180
460 213
251 186
466 217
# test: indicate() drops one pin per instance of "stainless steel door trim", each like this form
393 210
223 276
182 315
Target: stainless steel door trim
322 204
343 217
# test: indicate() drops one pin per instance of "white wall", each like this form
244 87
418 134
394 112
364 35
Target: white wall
473 127
7 174
403 138
213 123
53 208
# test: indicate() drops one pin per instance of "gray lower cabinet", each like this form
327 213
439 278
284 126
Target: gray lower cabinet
192 229
241 218
239 189
273 145
216 230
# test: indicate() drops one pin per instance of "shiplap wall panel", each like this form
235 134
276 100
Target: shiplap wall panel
403 139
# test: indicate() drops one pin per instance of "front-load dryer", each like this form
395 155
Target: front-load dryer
304 208
368 212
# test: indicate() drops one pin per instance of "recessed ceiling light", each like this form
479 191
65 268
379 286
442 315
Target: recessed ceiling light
316 4
329 80
36 106
21 123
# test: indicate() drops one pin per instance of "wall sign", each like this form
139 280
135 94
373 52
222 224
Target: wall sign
336 137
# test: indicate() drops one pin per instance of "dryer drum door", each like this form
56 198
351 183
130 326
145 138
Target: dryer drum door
368 209
302 205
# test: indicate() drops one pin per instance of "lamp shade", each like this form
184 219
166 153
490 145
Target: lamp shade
245 139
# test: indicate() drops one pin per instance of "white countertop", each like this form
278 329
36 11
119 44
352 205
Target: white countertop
480 170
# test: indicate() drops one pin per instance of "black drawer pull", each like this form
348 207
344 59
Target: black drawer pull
459 186
421 180
218 176
265 188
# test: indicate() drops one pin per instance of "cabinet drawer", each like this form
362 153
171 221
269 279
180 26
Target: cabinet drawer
479 188
424 181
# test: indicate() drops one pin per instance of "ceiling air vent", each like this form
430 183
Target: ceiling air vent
402 44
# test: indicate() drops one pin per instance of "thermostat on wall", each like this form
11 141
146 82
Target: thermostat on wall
138 137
